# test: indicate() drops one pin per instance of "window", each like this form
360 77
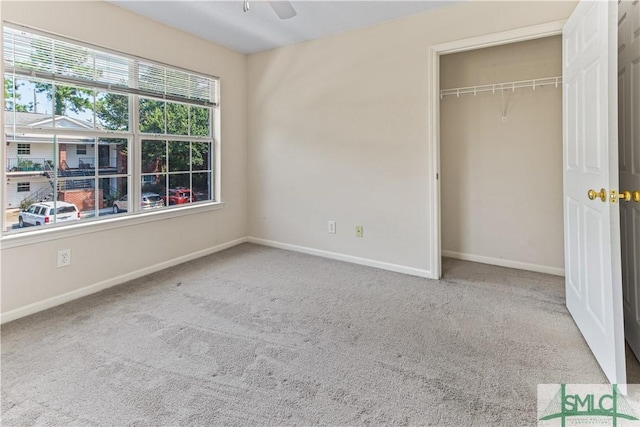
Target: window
24 149
24 187
64 209
76 105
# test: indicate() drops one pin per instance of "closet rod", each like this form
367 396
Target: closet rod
547 81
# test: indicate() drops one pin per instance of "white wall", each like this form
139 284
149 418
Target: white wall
36 183
38 153
29 274
502 180
73 158
338 130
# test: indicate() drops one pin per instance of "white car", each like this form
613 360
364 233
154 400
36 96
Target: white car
48 213
147 201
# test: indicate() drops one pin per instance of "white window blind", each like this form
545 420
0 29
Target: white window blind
41 56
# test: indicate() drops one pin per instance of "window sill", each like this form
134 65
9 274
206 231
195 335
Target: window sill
41 235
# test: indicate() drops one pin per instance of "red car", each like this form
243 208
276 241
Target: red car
178 196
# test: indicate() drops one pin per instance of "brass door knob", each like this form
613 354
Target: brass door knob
623 195
592 194
636 196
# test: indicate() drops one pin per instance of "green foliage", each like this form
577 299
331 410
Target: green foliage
199 121
25 203
113 111
76 65
200 154
11 97
177 119
179 156
152 117
154 156
24 164
67 98
181 119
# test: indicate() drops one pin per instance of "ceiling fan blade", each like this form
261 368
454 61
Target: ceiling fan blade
283 9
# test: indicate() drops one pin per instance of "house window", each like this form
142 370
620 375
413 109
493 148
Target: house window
24 149
87 96
24 187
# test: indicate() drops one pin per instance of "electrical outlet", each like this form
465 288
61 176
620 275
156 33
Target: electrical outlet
359 230
332 227
64 258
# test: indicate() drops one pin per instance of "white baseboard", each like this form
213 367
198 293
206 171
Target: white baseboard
342 257
505 263
97 287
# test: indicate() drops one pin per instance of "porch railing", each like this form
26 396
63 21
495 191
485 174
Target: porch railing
85 163
19 164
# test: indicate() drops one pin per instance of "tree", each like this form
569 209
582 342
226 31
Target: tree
112 111
152 116
75 64
160 156
181 119
11 97
67 98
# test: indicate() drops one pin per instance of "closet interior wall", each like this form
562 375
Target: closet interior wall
501 185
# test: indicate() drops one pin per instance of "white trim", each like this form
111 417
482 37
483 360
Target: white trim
433 82
505 37
49 233
97 287
504 263
342 257
133 62
434 152
4 197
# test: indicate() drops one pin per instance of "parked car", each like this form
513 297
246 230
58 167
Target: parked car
147 201
47 213
178 196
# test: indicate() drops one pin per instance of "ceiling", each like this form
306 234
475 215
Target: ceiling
259 29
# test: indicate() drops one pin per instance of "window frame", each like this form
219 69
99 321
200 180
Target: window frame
23 149
21 185
135 215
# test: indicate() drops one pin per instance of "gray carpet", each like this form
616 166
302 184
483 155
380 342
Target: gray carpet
261 336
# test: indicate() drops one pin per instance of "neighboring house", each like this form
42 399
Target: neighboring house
31 161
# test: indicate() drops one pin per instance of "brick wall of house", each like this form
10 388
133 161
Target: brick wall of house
83 199
62 156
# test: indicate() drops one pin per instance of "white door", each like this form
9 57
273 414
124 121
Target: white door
590 145
629 137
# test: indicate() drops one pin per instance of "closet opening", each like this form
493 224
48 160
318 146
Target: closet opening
501 155
493 182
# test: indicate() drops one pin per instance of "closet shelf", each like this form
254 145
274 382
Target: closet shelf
535 83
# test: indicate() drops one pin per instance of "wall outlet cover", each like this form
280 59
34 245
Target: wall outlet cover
64 258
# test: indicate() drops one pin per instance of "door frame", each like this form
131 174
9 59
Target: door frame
533 32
